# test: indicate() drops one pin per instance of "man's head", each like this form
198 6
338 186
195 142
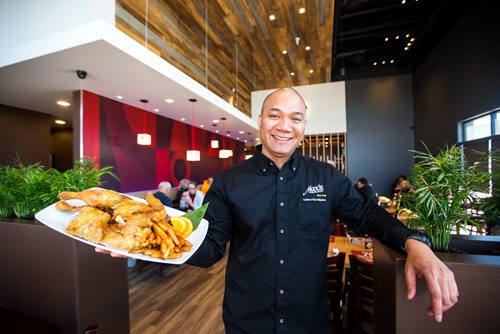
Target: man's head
210 179
164 187
282 124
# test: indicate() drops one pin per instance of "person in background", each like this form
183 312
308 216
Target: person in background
401 184
364 187
206 184
181 189
191 199
162 193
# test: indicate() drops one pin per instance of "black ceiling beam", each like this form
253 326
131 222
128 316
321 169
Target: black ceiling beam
377 28
371 11
381 32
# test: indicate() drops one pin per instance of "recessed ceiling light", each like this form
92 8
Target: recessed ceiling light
157 109
169 100
308 48
237 138
241 132
397 37
257 138
216 121
403 2
246 141
202 126
59 121
386 39
383 62
272 17
374 63
311 70
292 73
302 10
119 97
216 131
409 44
412 39
284 52
407 35
183 119
392 61
63 103
407 48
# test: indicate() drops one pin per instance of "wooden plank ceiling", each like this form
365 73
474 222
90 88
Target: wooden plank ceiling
232 47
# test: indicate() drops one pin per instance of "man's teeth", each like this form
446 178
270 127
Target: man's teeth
282 138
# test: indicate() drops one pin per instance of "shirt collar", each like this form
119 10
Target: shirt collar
264 163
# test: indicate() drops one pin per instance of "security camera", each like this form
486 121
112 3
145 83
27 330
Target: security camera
81 74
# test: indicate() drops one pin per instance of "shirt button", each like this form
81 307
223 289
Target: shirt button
282 231
281 261
282 320
282 292
281 204
263 169
293 169
281 178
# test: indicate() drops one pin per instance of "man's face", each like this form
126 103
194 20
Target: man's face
282 124
192 189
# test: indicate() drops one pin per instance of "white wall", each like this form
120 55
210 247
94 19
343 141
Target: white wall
23 21
327 106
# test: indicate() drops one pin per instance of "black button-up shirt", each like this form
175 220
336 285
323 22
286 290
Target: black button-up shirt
278 223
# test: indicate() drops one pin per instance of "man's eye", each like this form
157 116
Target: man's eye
297 119
273 116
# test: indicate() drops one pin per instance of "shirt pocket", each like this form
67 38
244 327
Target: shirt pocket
314 220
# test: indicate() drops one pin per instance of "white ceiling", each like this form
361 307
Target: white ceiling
37 83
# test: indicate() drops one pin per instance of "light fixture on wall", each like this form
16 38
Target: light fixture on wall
224 153
214 143
192 154
144 138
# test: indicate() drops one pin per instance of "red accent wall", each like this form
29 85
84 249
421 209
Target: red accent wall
110 131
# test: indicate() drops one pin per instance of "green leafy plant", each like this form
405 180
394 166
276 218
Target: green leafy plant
491 205
28 188
444 185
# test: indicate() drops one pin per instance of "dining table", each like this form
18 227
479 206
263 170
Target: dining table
351 246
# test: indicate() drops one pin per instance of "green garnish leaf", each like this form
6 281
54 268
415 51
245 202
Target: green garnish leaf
197 215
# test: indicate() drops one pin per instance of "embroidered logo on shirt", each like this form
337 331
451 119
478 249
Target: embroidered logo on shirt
315 194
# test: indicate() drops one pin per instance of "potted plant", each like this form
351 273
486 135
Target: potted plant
440 201
28 188
490 206
442 196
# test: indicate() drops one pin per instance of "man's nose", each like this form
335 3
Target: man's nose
284 124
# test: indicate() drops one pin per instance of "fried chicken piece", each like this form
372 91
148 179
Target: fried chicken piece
100 198
63 206
155 203
91 224
126 237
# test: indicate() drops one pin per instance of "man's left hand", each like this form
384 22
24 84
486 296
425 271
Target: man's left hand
422 262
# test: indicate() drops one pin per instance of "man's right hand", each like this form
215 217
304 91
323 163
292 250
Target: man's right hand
103 251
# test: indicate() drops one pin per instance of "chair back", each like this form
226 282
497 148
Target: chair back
335 288
361 294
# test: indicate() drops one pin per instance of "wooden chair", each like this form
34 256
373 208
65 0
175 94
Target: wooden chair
335 289
361 313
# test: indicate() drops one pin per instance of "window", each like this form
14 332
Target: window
483 126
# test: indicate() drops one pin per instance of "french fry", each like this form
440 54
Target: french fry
159 231
171 232
174 255
186 248
156 253
165 249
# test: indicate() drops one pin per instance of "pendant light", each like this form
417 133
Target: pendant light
144 138
192 154
224 153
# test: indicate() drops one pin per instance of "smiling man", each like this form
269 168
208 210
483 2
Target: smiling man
276 208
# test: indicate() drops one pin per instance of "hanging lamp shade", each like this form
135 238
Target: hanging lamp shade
143 139
224 154
193 155
214 143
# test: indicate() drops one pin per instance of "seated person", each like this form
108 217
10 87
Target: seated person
191 199
163 190
206 184
364 187
183 186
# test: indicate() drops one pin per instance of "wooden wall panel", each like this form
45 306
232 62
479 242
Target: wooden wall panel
231 46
